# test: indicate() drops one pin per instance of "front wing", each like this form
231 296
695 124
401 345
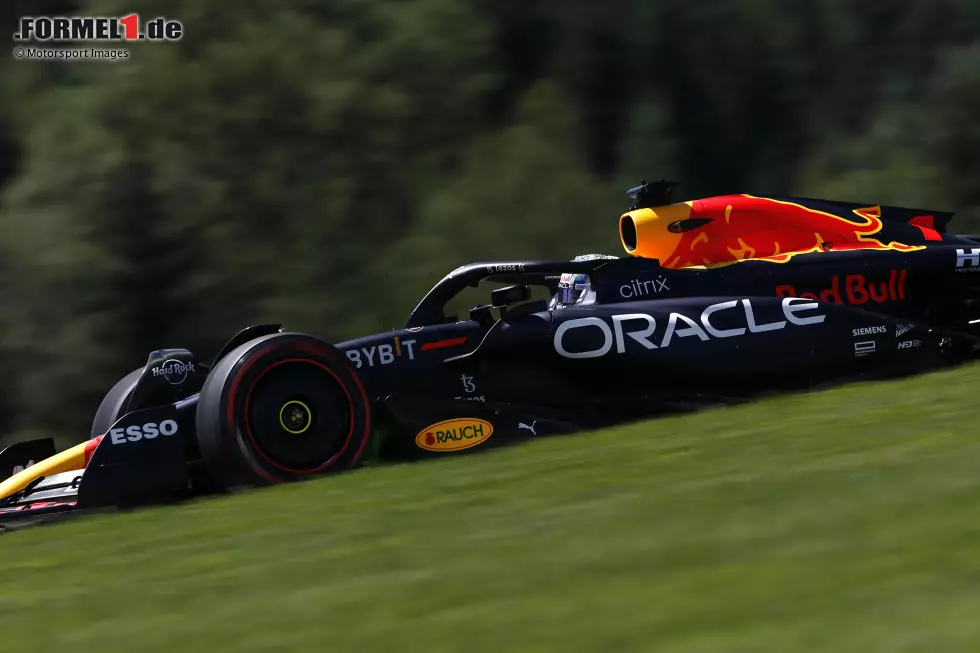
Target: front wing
134 462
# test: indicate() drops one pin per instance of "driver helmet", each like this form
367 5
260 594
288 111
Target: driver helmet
576 288
571 288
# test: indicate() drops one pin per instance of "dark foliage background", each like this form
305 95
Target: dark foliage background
322 163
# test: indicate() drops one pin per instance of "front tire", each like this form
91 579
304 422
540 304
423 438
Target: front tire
279 408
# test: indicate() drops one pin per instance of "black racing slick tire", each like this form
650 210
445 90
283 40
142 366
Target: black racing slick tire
283 407
113 402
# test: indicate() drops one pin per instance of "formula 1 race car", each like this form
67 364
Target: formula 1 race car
718 300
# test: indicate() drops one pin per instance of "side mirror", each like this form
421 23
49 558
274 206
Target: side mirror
508 295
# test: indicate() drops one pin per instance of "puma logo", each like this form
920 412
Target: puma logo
522 425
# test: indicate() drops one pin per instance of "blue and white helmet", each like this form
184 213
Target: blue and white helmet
576 288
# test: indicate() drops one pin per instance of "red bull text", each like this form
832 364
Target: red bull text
853 289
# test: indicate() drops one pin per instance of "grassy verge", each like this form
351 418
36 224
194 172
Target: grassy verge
840 521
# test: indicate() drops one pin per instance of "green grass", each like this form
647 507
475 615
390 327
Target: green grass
847 520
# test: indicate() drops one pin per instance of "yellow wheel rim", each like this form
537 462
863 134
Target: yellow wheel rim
295 417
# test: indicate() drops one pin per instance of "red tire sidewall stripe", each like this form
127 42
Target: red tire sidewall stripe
233 389
360 391
248 425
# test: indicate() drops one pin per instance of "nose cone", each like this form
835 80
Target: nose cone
644 232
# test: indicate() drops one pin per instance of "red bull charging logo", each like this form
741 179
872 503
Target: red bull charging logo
724 230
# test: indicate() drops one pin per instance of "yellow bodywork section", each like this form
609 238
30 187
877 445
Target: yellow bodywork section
66 461
653 240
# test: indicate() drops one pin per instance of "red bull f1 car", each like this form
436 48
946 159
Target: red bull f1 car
717 300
